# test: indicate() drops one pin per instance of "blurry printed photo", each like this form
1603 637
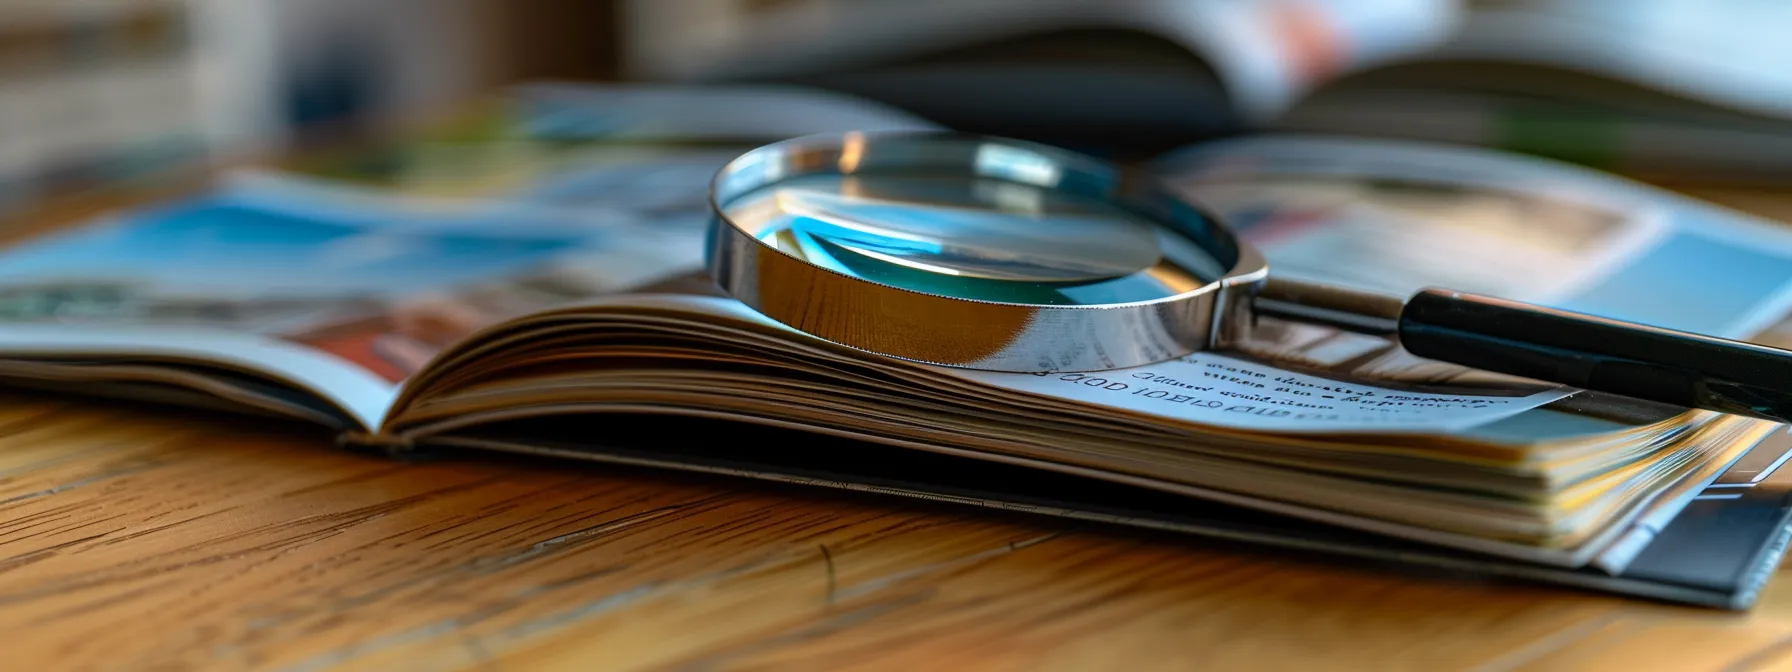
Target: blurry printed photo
1398 236
300 272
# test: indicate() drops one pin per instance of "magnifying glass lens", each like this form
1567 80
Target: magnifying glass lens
974 238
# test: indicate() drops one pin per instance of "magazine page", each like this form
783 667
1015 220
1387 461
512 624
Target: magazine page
1663 44
305 290
1661 88
1397 216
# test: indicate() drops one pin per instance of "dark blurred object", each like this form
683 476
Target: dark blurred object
1666 89
339 85
1122 92
341 67
1126 76
555 39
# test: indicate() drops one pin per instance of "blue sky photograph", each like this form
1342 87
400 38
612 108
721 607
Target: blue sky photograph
1690 282
222 245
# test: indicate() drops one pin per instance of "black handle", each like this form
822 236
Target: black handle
1596 353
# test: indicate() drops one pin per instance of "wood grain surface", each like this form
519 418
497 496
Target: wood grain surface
134 537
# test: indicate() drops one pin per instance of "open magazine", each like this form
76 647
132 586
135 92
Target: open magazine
539 289
1691 90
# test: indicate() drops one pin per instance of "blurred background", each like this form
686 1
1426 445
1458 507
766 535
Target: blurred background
102 92
98 92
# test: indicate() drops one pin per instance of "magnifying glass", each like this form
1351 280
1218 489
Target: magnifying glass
996 254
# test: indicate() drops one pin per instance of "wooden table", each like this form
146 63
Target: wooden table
140 537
